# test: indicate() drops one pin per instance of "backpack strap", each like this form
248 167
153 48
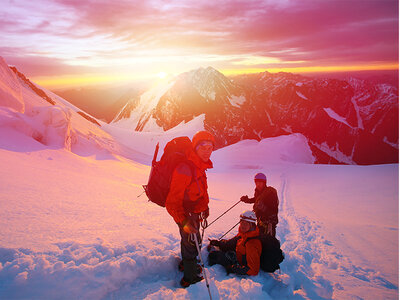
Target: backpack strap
253 238
192 168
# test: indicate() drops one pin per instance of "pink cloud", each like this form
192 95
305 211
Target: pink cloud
330 28
319 32
321 28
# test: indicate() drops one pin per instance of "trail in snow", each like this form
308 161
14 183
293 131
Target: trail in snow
310 257
298 237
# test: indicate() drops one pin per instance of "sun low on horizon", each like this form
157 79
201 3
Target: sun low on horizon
76 43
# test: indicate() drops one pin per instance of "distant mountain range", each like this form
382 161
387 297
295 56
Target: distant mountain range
348 121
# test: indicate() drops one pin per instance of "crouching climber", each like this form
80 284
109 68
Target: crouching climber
241 254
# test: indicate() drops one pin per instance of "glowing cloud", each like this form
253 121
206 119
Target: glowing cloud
64 37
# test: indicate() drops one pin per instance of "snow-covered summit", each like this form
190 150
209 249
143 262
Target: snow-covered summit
208 82
183 98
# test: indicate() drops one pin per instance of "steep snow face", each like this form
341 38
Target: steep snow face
46 119
137 113
10 89
146 142
150 99
55 126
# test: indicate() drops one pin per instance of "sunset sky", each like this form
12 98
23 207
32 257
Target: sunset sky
78 42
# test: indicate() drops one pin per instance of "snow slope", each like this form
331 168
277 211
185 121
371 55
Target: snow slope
73 227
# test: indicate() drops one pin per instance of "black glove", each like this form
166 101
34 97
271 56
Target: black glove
214 243
244 199
229 269
211 246
237 269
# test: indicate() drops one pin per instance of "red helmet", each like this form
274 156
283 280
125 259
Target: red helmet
202 136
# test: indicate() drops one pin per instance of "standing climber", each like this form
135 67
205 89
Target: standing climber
187 201
266 205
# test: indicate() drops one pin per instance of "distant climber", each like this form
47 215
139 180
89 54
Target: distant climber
266 205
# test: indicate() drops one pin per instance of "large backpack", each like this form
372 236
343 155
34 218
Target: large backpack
271 254
176 151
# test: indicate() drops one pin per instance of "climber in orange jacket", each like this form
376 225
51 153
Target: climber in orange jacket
187 201
241 254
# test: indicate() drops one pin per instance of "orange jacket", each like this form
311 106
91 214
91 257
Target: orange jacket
188 192
250 250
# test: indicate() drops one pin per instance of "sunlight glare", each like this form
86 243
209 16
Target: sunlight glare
162 75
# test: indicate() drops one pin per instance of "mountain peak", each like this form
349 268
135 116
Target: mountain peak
207 74
205 79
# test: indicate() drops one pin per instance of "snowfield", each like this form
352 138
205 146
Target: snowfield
74 227
75 224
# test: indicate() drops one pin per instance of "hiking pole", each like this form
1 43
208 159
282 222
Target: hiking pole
229 231
194 237
224 213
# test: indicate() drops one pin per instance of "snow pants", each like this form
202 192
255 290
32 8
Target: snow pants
189 249
225 259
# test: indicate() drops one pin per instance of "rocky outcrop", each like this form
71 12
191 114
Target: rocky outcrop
33 87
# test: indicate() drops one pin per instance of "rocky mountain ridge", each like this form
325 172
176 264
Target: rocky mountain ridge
345 121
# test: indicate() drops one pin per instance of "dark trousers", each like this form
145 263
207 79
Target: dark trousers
225 259
189 249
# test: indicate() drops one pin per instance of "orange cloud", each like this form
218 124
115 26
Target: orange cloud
238 36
